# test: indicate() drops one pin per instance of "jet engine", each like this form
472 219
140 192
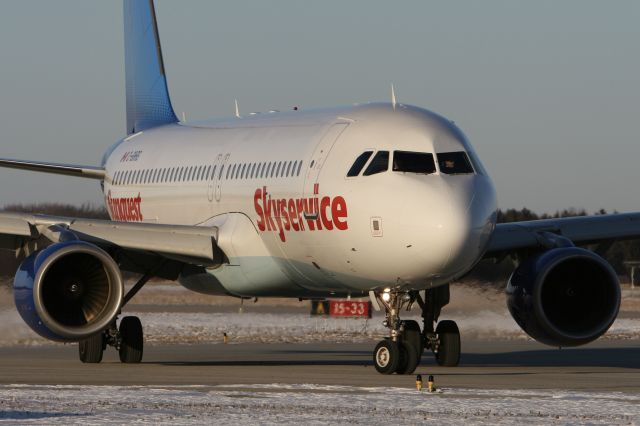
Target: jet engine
564 297
68 290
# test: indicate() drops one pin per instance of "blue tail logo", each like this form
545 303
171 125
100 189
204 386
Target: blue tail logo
148 102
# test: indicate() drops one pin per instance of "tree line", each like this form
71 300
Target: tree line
485 271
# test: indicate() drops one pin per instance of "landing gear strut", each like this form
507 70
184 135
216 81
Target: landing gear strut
128 339
401 352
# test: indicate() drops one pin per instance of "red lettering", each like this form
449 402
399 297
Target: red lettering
309 213
300 208
138 201
293 215
324 204
267 203
316 209
273 215
339 212
257 197
285 215
125 209
278 211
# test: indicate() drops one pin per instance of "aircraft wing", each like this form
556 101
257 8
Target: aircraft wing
194 245
580 230
90 172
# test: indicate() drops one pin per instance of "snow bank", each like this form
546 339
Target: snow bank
309 404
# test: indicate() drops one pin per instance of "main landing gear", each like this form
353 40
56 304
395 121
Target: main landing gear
401 352
128 339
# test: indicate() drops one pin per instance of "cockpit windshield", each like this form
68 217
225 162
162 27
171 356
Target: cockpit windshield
413 162
454 163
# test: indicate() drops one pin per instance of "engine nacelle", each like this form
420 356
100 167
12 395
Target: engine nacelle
68 290
564 297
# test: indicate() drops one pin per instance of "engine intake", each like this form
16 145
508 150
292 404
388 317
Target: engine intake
68 291
564 297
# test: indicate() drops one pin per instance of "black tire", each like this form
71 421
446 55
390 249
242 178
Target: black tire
386 356
408 358
449 344
413 335
131 340
91 349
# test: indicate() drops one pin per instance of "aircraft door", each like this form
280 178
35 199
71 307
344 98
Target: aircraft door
212 179
319 157
219 176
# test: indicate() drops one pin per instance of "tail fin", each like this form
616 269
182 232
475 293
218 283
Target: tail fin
148 103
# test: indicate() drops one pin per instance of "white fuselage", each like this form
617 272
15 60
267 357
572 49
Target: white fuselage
291 222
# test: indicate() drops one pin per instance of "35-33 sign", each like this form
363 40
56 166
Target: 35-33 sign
350 308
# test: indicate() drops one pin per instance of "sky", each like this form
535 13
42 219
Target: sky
548 92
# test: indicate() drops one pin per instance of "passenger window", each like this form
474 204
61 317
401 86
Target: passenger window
454 163
413 162
299 168
379 164
288 167
278 169
357 165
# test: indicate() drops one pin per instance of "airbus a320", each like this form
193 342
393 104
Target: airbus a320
383 200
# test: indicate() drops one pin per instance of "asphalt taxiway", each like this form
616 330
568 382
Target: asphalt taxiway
605 365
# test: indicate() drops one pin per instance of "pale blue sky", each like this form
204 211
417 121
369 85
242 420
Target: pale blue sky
547 91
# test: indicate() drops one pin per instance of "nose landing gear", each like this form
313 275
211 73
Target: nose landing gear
401 352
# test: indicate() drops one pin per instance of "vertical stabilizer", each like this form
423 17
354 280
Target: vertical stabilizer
148 103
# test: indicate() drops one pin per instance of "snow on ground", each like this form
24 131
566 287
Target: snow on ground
480 314
311 404
200 327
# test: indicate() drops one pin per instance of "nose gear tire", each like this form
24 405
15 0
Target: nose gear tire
408 358
413 335
386 357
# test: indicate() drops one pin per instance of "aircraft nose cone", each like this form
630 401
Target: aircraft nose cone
470 223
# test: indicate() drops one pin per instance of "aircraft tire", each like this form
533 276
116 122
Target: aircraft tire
90 350
132 340
386 356
408 358
412 335
449 349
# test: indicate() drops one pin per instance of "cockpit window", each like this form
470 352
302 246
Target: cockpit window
454 163
413 162
379 164
359 164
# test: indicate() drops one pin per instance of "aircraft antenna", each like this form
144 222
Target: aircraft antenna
393 97
184 117
237 109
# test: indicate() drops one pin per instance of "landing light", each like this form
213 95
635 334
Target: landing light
386 296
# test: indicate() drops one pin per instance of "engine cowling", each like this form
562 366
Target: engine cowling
68 290
564 297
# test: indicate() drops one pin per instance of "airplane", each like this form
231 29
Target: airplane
383 200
